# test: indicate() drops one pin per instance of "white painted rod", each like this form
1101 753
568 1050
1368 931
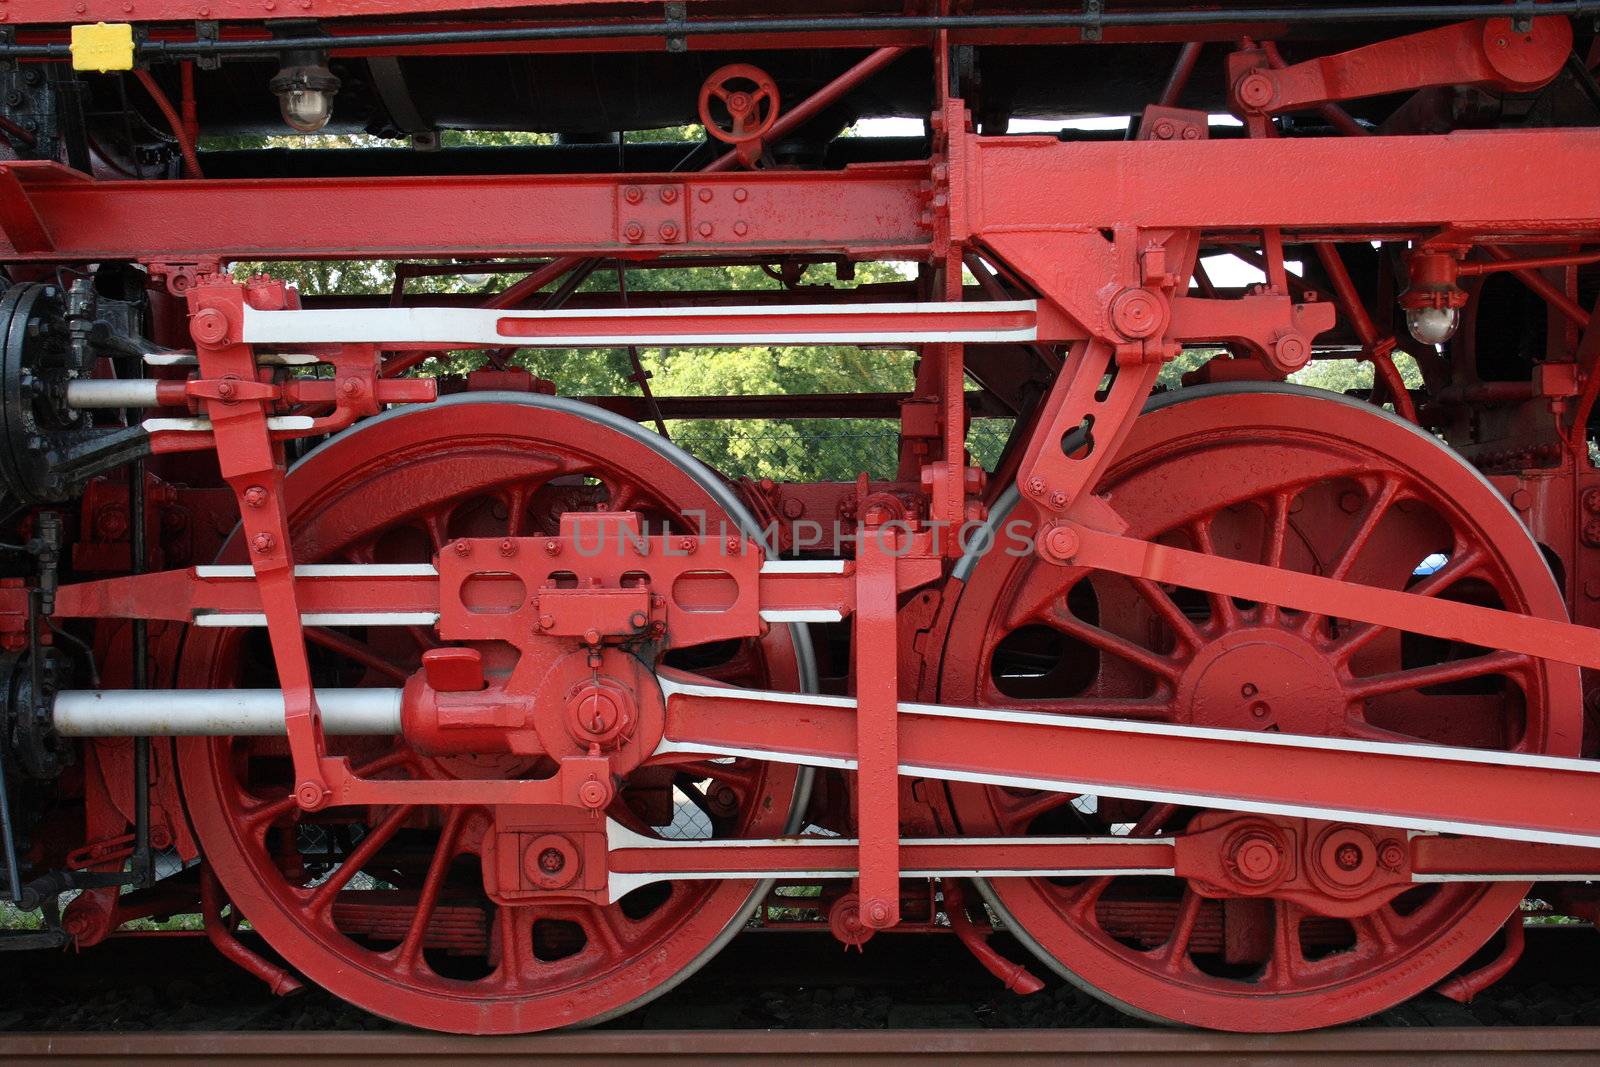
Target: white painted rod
217 712
112 393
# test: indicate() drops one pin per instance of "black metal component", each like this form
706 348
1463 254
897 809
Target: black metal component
29 747
48 338
29 682
27 940
52 884
8 834
1080 20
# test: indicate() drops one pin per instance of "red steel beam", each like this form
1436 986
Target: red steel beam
1539 180
1005 186
54 213
1002 185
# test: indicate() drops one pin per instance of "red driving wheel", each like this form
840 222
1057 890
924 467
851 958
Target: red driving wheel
1309 482
385 907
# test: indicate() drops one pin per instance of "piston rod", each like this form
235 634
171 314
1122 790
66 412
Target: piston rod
86 393
217 712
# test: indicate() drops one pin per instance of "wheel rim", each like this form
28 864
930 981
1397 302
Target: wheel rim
1305 481
400 926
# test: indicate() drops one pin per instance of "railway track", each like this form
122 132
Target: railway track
771 997
923 1047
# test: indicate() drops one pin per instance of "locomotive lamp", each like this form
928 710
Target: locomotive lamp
1434 300
305 88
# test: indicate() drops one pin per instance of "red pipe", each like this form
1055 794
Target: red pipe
1588 359
1574 259
191 117
1349 301
280 981
1015 976
191 162
1464 987
1181 71
1556 298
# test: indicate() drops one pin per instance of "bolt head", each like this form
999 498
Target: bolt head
462 548
739 228
669 231
1136 313
633 232
1256 90
208 326
508 547
310 795
263 542
1061 542
1036 486
594 794
255 496
1290 352
552 548
633 194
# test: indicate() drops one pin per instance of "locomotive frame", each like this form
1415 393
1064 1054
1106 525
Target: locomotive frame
543 661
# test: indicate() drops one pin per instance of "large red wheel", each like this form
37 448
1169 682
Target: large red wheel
1308 482
385 907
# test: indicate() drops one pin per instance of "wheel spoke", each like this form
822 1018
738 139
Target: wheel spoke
1021 811
1183 627
1174 955
1378 927
255 818
322 896
1378 504
1277 537
1288 961
516 509
1113 644
518 964
1460 566
1223 609
1439 674
444 853
359 651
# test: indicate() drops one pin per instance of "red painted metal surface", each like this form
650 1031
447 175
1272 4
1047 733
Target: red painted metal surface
1115 696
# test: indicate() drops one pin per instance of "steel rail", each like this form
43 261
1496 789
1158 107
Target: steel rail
674 29
849 1048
